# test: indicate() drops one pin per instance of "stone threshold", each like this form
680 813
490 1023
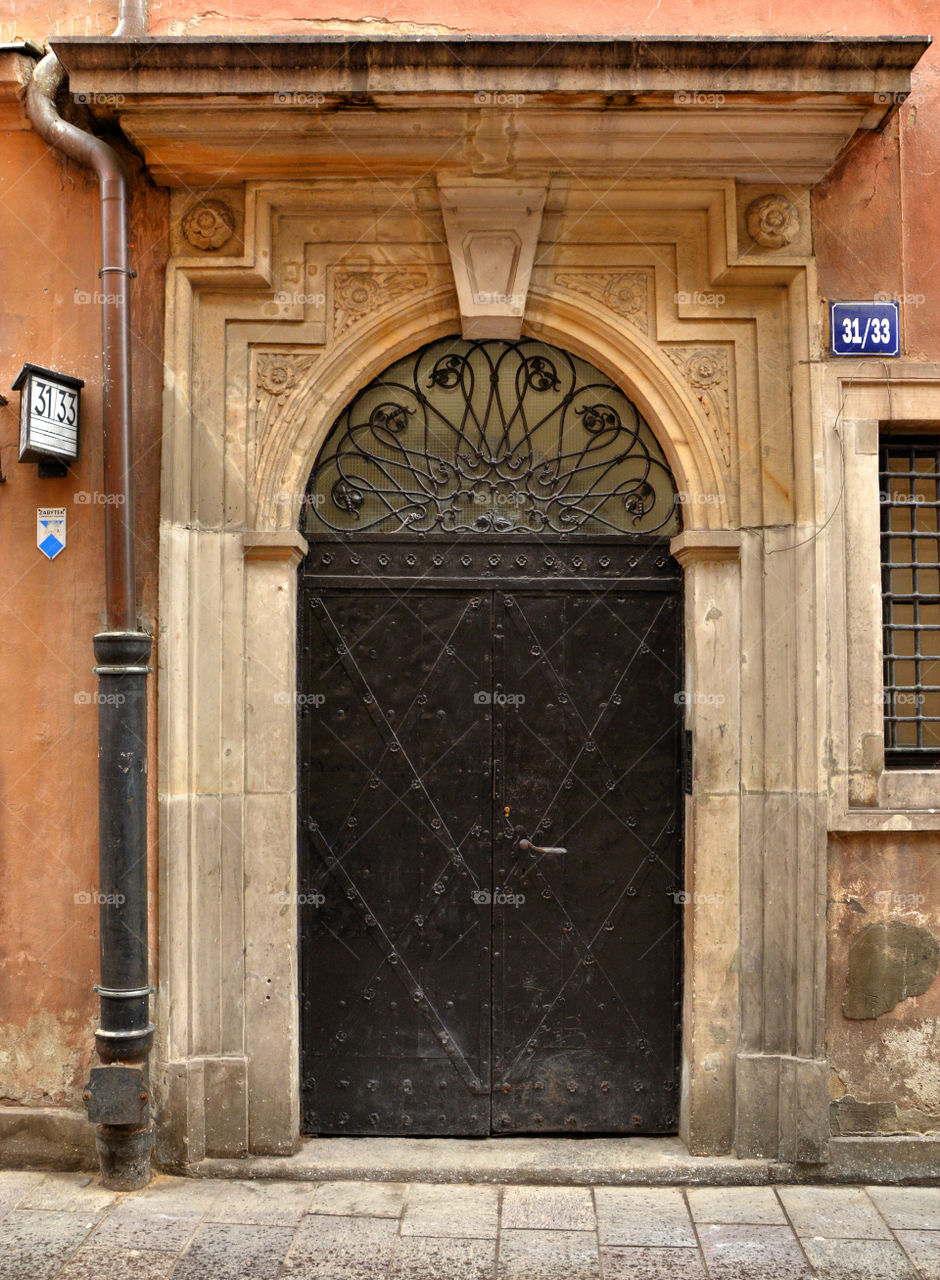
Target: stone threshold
53 1138
575 1162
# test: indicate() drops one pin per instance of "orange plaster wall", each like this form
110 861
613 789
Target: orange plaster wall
49 610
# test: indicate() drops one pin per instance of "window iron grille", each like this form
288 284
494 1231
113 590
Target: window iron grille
910 573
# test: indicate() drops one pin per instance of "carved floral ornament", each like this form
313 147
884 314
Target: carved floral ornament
772 221
208 224
358 293
277 373
707 371
624 292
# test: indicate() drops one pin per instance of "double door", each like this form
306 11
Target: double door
490 837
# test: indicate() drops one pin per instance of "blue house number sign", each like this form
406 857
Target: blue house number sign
864 329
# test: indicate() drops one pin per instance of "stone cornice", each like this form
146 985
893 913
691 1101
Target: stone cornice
201 109
548 63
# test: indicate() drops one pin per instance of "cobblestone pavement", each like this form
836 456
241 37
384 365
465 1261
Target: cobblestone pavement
64 1226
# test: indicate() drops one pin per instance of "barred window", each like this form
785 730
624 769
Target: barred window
910 580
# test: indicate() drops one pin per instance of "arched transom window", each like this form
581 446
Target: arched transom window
491 437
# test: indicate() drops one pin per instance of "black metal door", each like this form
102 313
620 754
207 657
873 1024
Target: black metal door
458 702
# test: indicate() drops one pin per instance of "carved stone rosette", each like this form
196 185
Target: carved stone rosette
359 292
706 370
624 292
772 222
208 225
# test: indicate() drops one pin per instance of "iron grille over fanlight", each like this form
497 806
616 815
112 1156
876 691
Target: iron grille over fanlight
491 437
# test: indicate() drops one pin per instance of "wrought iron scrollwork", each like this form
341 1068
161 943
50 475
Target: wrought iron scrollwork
491 437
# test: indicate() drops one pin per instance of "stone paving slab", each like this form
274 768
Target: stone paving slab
328 1248
359 1199
633 1215
14 1186
36 1244
836 1213
923 1249
743 1252
134 1224
757 1205
66 1227
652 1264
548 1208
89 1263
266 1203
421 1258
548 1255
452 1211
230 1251
858 1260
64 1192
908 1208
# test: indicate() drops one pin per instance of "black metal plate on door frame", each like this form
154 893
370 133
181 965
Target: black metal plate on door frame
453 982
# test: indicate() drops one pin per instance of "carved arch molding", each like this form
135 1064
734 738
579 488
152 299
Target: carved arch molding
285 302
315 279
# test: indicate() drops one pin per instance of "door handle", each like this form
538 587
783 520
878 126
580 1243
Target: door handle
527 844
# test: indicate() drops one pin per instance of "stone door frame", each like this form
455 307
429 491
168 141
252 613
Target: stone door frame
267 342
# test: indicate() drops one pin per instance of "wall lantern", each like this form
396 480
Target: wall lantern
49 404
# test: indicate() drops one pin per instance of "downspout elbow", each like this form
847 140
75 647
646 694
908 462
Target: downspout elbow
47 79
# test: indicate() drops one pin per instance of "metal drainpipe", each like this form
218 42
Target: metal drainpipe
118 1093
